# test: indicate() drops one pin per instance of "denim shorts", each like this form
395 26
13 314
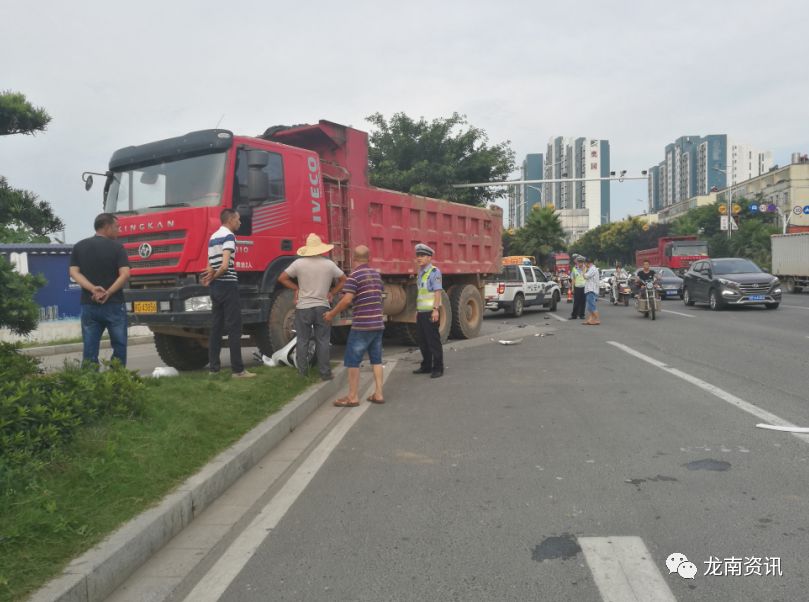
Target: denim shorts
360 341
591 302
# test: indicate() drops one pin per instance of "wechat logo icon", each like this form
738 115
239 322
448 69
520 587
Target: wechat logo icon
679 563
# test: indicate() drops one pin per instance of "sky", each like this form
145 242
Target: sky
640 74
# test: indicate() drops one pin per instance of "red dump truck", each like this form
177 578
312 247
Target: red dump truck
675 252
287 183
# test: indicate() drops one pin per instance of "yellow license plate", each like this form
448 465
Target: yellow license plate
145 307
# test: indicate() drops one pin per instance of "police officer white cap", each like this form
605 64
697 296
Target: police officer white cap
422 248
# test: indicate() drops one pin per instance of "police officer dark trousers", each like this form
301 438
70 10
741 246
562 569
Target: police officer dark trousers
427 318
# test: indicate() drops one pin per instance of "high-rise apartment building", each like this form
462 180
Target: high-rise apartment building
694 165
585 203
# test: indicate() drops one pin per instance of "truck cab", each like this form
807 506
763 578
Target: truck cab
520 286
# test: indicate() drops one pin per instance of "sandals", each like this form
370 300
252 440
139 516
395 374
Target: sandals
373 399
343 402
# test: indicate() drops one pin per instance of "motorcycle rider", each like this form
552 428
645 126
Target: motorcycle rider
619 275
644 275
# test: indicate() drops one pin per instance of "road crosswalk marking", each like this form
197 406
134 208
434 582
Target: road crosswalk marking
624 571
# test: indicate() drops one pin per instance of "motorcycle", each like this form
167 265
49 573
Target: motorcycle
620 291
563 280
648 300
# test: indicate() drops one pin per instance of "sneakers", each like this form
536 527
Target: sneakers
244 374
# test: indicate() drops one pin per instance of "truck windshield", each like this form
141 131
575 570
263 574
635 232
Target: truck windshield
684 248
193 182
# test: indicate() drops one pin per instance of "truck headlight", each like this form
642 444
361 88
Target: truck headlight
198 304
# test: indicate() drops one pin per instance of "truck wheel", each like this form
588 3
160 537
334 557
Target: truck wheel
467 311
554 301
277 332
790 286
409 334
183 353
445 317
339 334
517 306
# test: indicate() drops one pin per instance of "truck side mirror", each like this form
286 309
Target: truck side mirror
258 184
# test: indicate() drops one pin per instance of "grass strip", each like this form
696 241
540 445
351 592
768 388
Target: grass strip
117 468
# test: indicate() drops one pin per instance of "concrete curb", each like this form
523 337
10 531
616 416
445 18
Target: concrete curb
97 573
77 347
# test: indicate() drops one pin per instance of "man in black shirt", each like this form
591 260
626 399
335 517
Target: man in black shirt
99 265
645 274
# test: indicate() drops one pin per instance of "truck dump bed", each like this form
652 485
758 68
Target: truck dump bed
466 240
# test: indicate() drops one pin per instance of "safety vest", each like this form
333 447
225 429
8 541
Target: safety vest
578 278
426 298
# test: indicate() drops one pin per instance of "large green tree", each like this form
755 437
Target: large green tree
23 218
428 157
542 235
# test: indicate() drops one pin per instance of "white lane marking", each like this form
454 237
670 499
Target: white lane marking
560 318
714 390
211 587
668 311
795 306
624 570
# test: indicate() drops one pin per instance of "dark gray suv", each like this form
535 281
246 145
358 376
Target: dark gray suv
730 281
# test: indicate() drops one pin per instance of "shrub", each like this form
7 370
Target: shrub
40 412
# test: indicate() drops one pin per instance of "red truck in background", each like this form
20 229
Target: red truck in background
675 252
559 262
287 183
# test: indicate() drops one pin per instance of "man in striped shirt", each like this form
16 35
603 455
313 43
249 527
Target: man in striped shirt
364 289
224 283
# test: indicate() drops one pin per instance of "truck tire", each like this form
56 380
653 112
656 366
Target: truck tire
339 334
467 311
182 353
518 305
792 287
277 332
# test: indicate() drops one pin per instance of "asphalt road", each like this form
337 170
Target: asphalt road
567 467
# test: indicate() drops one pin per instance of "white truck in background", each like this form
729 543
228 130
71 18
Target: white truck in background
790 260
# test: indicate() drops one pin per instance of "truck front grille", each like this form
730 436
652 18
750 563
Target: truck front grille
171 235
157 249
156 263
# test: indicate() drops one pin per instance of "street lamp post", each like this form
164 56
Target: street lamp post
729 211
647 212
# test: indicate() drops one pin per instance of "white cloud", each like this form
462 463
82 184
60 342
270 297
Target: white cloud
636 73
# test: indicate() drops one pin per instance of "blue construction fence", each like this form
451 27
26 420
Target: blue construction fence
60 298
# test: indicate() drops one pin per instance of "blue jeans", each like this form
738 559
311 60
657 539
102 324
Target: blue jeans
360 341
95 318
592 299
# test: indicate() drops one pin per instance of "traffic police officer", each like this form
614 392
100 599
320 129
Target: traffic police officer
428 304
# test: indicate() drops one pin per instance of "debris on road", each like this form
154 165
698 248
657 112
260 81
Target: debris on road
507 342
164 371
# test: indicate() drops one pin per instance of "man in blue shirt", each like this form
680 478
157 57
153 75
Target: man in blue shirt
428 304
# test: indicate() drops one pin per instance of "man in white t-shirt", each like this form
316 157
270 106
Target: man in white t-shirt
319 279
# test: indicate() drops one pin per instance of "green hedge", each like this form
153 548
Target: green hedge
40 412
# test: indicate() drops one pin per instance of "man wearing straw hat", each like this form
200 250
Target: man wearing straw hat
316 276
